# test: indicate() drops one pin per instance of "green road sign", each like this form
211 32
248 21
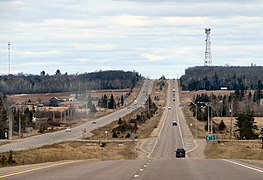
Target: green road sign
210 137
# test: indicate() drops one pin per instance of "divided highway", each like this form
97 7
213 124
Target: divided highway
160 161
77 132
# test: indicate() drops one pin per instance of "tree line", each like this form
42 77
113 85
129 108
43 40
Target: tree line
216 77
45 83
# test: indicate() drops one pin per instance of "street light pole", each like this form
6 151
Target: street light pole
211 123
208 120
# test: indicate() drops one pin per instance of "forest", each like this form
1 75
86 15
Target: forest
216 77
243 105
45 83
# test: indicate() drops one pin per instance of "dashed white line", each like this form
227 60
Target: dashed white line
136 175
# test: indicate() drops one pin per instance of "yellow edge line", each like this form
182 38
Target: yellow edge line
29 170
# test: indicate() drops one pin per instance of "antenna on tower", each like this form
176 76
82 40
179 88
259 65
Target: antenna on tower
8 58
208 56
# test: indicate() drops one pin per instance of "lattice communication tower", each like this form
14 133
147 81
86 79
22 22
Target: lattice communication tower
8 58
208 55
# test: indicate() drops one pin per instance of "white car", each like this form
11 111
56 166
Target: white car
68 129
93 122
169 108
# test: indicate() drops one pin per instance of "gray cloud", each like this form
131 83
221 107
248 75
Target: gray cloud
146 36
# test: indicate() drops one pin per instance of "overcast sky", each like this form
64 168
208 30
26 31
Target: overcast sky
153 37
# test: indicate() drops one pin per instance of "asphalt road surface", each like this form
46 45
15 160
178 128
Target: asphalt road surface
160 163
77 132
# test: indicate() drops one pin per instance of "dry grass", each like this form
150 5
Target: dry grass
234 150
75 151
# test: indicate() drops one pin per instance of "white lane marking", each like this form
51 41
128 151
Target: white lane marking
158 133
136 175
180 132
146 152
166 114
261 171
193 148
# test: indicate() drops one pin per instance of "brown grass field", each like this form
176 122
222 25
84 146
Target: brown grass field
234 150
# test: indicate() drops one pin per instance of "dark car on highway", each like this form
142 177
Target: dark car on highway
180 152
174 123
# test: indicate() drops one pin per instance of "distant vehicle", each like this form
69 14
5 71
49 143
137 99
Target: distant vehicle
169 108
68 129
40 105
174 123
94 122
180 152
173 99
135 102
173 90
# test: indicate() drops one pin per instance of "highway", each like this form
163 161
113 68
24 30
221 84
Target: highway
77 132
158 164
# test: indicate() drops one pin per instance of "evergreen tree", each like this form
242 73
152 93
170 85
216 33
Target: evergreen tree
104 101
99 103
89 103
122 100
111 103
221 126
3 117
246 125
93 108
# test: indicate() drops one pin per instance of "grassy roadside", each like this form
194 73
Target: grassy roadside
82 150
234 150
72 151
190 120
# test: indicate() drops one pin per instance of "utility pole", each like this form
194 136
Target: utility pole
211 119
19 124
10 122
230 120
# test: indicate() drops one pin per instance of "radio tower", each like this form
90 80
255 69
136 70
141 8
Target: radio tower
208 56
8 58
